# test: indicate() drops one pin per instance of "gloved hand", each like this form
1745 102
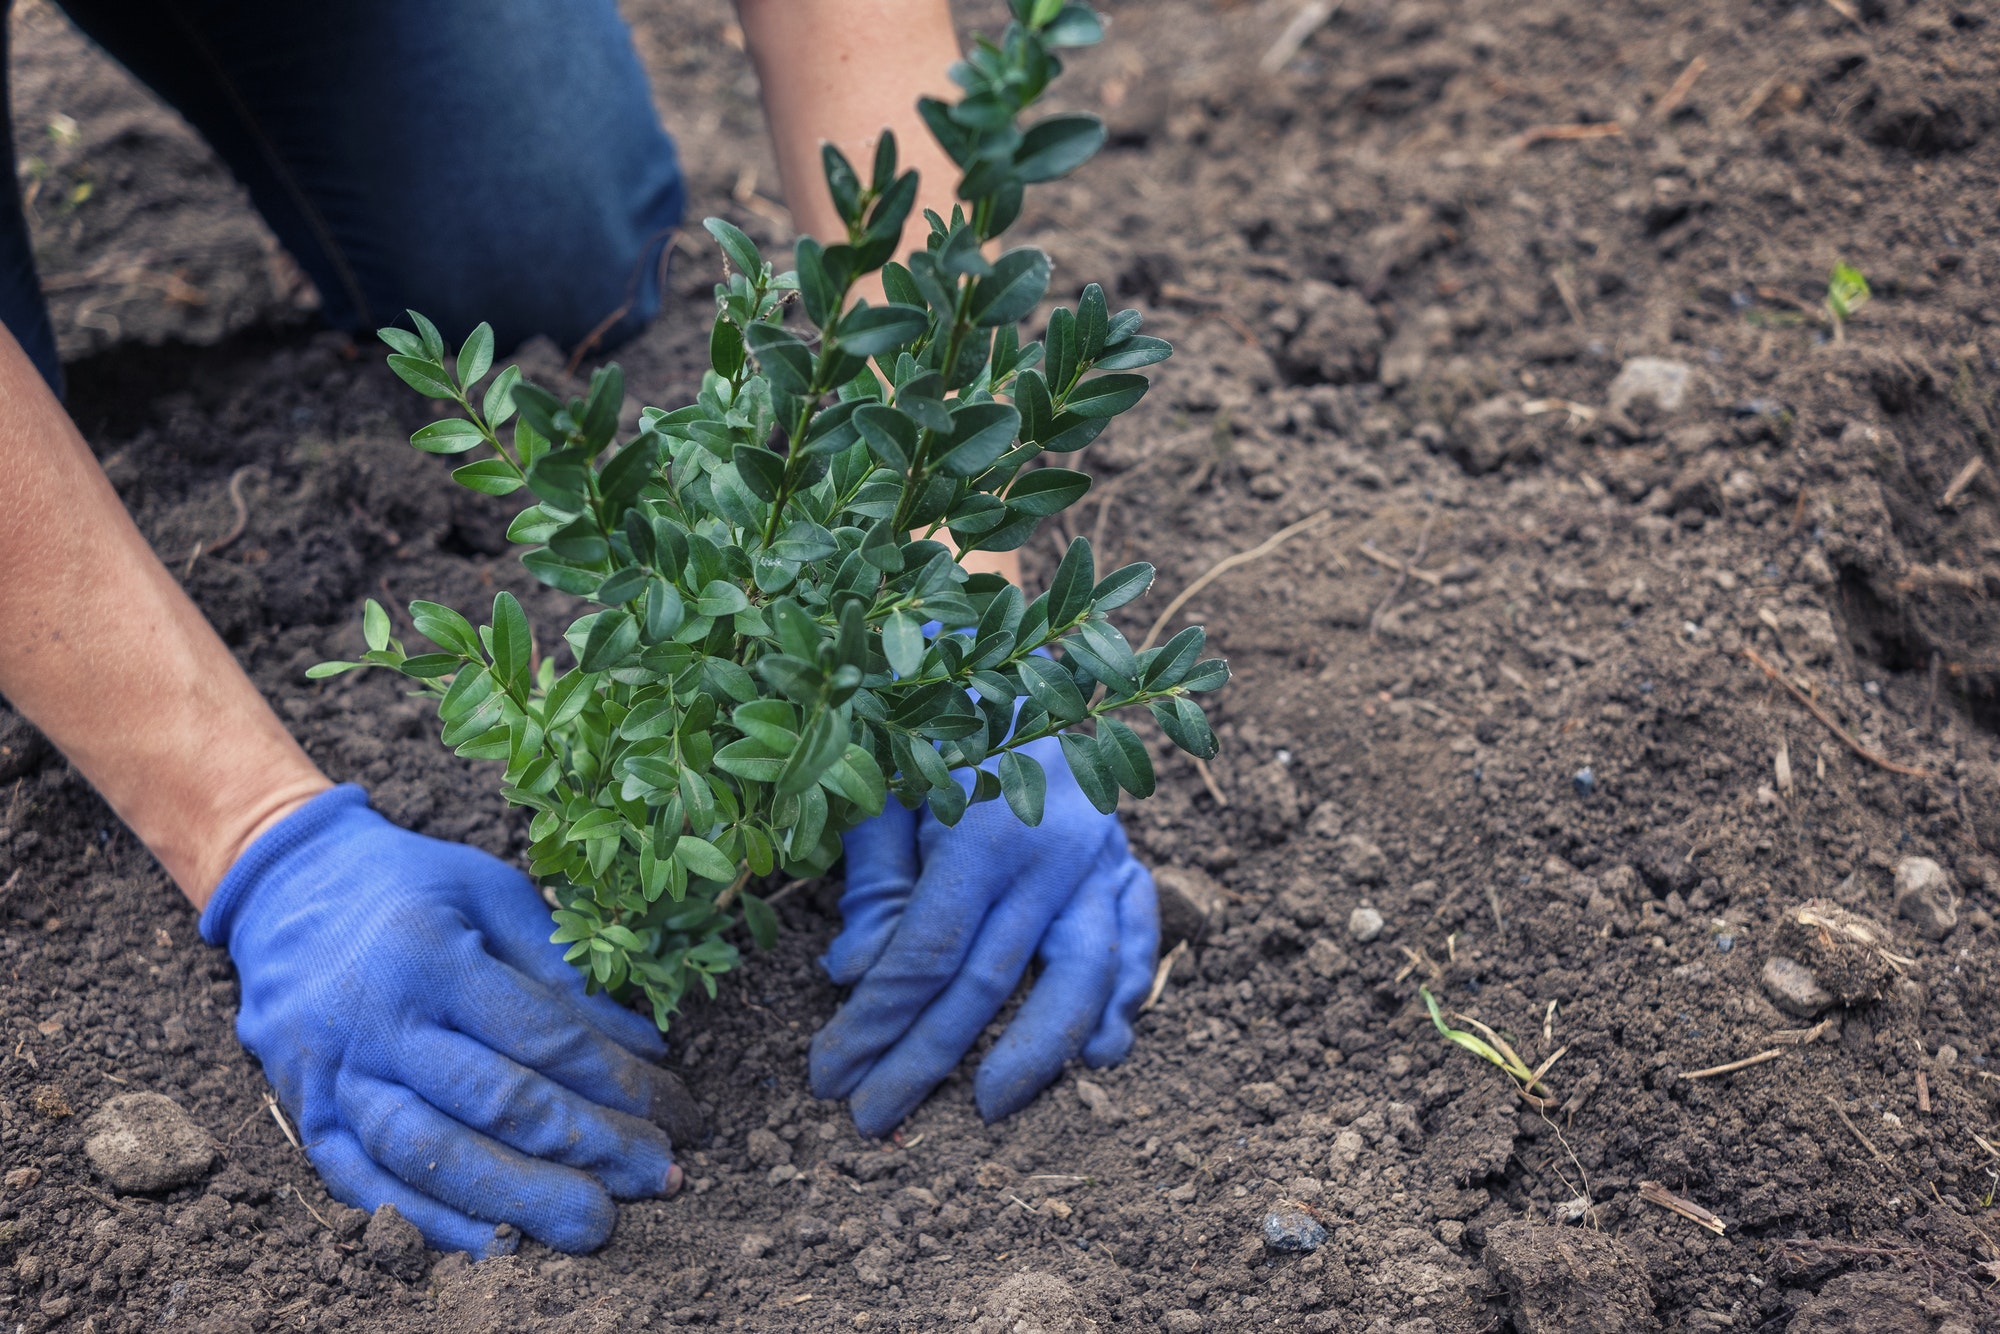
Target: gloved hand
939 925
430 1044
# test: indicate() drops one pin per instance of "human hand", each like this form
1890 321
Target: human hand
939 925
432 1047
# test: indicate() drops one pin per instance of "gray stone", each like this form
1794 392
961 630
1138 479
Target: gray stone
766 1149
1182 1320
1361 860
143 1144
754 1246
1648 388
1270 1099
1793 988
1364 924
1093 1096
393 1244
1924 894
1293 1232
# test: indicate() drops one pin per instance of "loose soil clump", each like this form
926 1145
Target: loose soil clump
1499 697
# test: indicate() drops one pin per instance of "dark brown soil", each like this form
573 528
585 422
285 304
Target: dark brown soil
1372 285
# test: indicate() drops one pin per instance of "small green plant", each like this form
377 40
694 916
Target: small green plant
758 674
1846 293
1497 1050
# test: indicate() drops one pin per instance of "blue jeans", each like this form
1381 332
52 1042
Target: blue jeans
473 160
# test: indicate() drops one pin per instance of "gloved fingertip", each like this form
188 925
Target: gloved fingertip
830 1072
1110 1044
999 1096
675 1180
674 1109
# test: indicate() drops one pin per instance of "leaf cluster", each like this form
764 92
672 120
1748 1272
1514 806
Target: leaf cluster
780 640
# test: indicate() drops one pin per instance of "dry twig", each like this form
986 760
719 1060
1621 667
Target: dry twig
1402 577
1652 1192
1160 974
1855 1130
1388 562
1537 134
1962 482
284 1125
1228 563
1813 707
1208 780
1683 85
1312 16
1923 1094
1744 1064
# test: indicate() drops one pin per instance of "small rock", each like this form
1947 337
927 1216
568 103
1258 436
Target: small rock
1364 924
144 1143
1451 1232
1649 388
1362 861
1099 1102
1793 988
1924 894
24 1178
1183 1193
1326 959
1182 1320
782 1173
394 1245
1188 898
1270 1099
1584 781
811 1231
1305 1188
1347 1148
1293 1232
766 1149
754 1246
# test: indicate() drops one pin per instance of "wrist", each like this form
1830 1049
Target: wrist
275 838
200 862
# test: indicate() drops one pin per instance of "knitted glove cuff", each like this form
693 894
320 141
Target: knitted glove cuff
275 844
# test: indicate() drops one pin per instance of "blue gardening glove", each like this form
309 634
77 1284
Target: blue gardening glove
430 1044
939 926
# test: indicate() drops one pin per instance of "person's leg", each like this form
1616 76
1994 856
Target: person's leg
470 159
22 309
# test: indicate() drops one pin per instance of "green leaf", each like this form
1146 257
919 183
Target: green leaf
1053 688
445 628
1212 674
1175 659
401 340
1047 491
453 435
759 916
721 598
375 626
903 643
1125 756
433 342
702 858
1057 146
1185 725
740 249
761 470
1106 396
475 356
889 434
725 347
1069 590
426 377
498 406
598 822
871 331
489 477
980 433
1134 353
513 643
1087 766
319 671
786 362
613 636
1122 586
1012 289
816 286
1107 655
1024 785
1075 25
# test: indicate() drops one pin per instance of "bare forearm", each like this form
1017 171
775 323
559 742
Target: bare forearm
101 650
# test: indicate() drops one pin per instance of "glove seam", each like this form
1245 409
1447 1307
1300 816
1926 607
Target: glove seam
274 845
